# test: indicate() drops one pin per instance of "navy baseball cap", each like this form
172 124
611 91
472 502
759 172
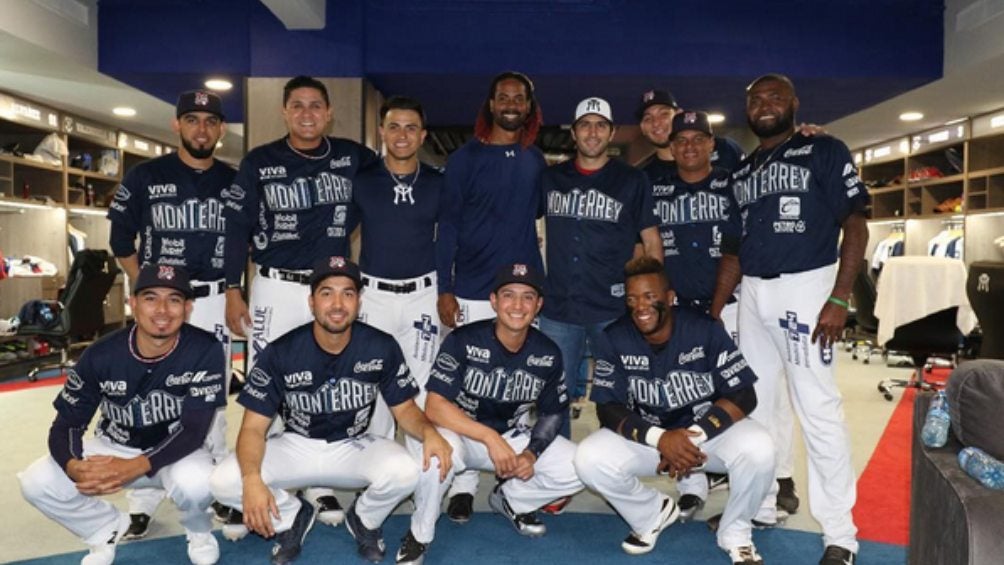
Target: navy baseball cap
334 266
163 276
199 101
519 273
690 120
653 97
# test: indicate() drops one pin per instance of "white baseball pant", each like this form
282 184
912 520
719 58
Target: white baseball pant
47 487
380 466
276 307
776 320
610 464
553 477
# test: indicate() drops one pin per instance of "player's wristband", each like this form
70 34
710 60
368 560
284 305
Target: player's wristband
234 285
842 303
652 436
715 421
697 440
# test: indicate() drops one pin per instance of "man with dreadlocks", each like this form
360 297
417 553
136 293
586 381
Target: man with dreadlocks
490 202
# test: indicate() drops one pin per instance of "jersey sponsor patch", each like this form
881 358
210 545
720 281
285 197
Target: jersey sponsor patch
122 194
635 362
617 290
446 362
258 378
478 354
603 369
113 388
371 366
691 356
540 361
298 379
73 380
269 173
164 190
235 192
789 207
799 151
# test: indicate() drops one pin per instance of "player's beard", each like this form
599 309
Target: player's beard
785 122
333 328
510 124
197 152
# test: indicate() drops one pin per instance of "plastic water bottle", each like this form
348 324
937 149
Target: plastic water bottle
982 467
935 430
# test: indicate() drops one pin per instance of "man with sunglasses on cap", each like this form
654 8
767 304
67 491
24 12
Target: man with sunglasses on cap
158 384
174 204
324 378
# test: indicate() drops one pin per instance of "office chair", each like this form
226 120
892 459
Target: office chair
935 335
985 288
81 304
864 295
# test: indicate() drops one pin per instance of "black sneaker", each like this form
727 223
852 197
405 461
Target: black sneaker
139 527
639 543
288 544
329 510
411 552
221 512
787 499
836 555
717 481
460 508
370 542
689 505
526 524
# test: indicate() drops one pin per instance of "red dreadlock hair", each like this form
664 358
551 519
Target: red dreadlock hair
528 135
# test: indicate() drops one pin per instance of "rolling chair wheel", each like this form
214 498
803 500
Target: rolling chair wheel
866 361
888 396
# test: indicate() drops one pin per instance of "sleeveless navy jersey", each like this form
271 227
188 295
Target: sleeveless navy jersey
177 212
293 210
699 365
494 386
726 155
593 223
491 201
398 223
141 403
793 198
326 396
694 219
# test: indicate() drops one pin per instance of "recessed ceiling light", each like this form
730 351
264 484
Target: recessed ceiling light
716 118
911 116
219 84
124 111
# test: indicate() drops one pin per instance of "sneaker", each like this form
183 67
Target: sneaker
526 524
717 481
637 544
104 554
411 552
780 518
556 507
370 542
221 512
288 544
836 555
203 548
745 555
787 499
329 510
460 508
234 528
139 527
689 505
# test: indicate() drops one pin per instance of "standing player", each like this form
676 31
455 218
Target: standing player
158 384
324 378
487 377
597 208
672 393
175 204
797 194
292 200
491 200
398 202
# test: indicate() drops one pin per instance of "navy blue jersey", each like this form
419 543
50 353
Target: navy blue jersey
495 386
694 219
177 212
669 389
794 198
491 201
398 222
593 223
293 210
726 155
326 396
141 401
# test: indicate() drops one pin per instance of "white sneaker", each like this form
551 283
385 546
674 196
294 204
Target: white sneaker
203 548
104 554
745 555
639 543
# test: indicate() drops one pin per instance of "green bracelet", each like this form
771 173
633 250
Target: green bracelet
838 302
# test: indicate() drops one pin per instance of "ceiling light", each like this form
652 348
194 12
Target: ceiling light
911 116
219 84
716 118
124 111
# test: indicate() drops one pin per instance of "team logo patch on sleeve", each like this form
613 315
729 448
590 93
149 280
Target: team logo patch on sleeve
603 368
447 362
258 378
73 380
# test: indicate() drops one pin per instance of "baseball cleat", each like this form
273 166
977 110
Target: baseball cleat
717 481
221 512
836 555
370 542
329 510
689 505
203 548
288 544
460 508
745 555
638 544
139 527
787 498
526 524
234 528
104 554
411 552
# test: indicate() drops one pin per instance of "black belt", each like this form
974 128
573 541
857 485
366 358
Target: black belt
284 275
403 288
208 288
705 305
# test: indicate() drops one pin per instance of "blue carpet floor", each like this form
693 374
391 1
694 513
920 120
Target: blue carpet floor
572 539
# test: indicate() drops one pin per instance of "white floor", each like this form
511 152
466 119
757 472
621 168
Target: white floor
25 417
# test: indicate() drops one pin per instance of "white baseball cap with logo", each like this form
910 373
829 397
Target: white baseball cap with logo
594 105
